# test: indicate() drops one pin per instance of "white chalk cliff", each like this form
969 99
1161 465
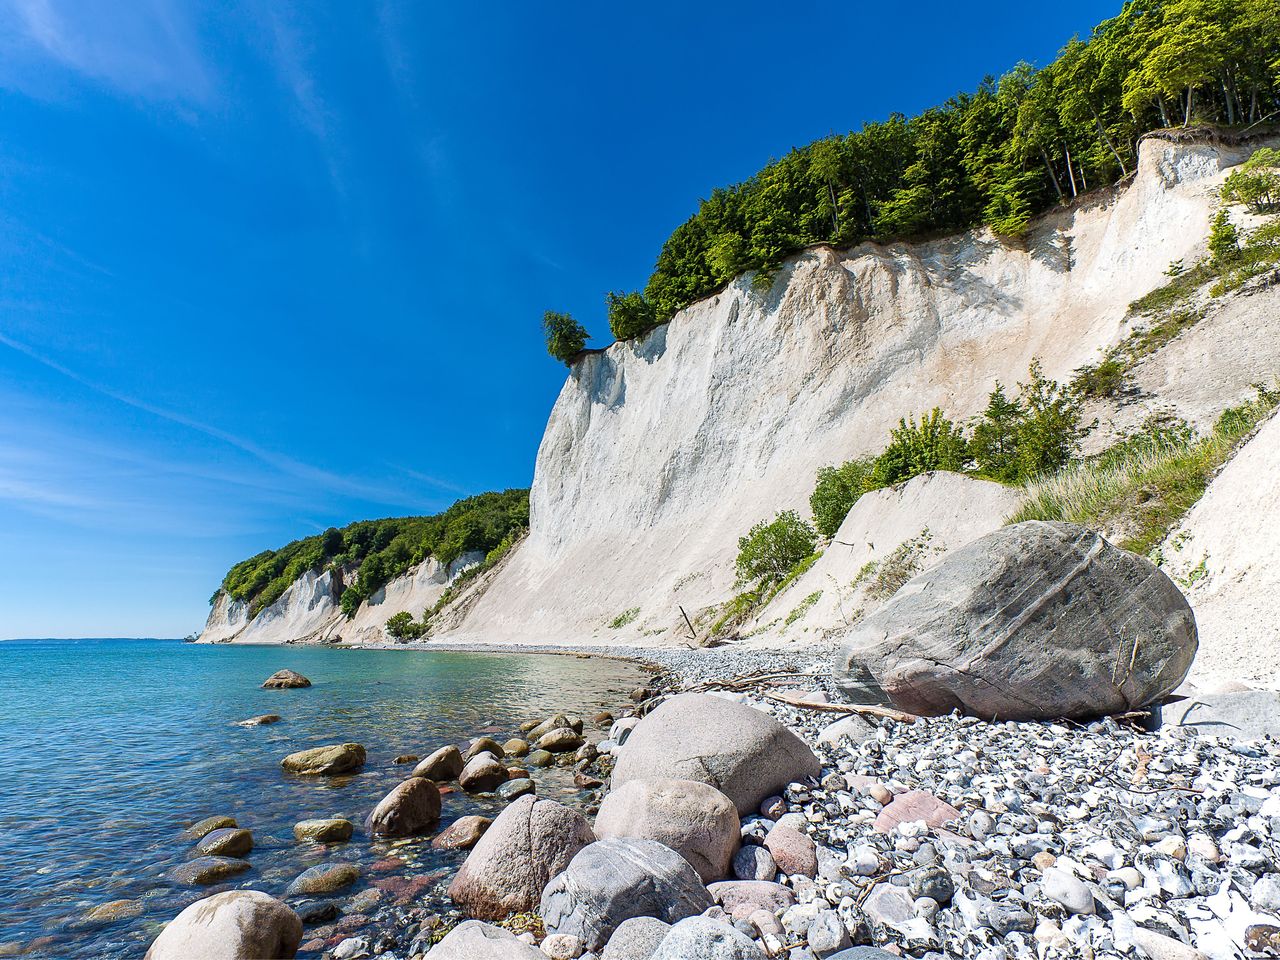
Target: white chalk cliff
660 453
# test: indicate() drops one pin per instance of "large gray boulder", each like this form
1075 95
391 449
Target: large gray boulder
742 752
1037 620
706 939
235 925
614 880
695 820
529 843
411 807
472 940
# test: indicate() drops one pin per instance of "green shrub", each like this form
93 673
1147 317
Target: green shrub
402 626
769 551
1103 379
1224 239
934 444
837 490
803 607
566 337
1256 183
630 315
624 618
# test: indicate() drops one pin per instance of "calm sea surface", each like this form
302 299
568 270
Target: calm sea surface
110 748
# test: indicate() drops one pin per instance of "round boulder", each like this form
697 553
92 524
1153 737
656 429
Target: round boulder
614 880
527 844
635 939
331 830
483 745
203 871
324 878
742 752
695 820
706 939
225 842
472 940
209 824
559 740
285 680
1034 621
482 774
235 925
445 764
410 807
463 834
333 759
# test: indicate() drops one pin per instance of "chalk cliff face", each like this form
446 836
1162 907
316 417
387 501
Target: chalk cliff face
309 610
661 453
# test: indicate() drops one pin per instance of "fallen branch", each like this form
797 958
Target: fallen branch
865 709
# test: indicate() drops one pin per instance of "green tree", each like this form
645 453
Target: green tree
769 550
402 626
630 315
1048 431
1256 183
837 490
566 337
995 437
934 444
1224 239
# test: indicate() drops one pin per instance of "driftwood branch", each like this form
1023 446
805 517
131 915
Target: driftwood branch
864 709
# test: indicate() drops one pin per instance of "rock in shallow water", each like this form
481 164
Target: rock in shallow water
333 830
411 807
208 825
614 880
236 925
225 842
463 834
285 680
482 774
1027 622
324 878
335 758
445 764
203 871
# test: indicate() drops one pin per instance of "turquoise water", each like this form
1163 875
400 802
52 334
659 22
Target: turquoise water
111 748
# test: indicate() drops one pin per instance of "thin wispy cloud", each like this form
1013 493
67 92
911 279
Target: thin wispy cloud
144 48
315 476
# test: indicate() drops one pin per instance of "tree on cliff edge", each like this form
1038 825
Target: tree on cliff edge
566 337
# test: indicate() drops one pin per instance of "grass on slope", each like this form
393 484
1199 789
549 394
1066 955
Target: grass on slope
1142 487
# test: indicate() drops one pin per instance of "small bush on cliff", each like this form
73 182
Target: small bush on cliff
1256 183
1224 239
630 315
837 490
402 626
769 550
934 444
566 337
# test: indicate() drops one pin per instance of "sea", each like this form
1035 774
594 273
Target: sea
110 749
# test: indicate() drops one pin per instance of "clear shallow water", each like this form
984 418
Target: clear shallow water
111 748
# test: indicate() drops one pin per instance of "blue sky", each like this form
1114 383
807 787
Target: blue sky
268 267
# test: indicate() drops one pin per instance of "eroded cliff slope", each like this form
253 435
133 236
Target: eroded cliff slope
661 452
